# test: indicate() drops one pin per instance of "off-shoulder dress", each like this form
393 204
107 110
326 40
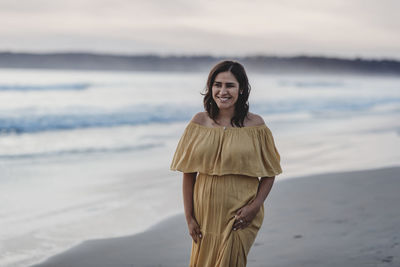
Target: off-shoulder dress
228 162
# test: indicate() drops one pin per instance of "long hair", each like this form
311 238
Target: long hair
242 104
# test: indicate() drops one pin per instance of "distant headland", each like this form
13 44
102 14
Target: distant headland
266 64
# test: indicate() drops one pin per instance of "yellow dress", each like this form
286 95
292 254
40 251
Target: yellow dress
228 162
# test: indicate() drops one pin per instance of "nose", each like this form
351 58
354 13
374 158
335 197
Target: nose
223 89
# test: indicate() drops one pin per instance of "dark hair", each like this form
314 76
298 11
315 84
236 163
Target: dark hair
242 104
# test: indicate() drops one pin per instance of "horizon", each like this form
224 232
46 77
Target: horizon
105 53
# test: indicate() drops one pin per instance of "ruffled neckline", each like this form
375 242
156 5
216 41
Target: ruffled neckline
246 151
263 126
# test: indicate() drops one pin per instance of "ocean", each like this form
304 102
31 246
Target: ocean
86 154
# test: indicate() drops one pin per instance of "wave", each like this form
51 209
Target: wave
45 87
311 84
320 106
29 121
93 150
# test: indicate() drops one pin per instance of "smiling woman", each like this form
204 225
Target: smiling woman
227 91
229 162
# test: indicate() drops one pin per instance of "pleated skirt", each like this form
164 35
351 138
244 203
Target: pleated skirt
216 201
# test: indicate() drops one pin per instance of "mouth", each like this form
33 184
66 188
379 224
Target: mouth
224 99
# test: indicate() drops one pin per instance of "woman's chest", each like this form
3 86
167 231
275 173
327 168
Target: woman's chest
226 146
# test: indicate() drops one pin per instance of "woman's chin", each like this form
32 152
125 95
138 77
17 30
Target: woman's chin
225 105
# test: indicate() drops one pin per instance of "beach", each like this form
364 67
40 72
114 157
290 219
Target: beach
95 97
86 155
334 219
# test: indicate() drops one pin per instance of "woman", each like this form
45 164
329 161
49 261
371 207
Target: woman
229 162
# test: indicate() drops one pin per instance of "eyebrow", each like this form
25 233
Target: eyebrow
229 83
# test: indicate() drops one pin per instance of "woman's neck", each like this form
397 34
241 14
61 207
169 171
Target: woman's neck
225 116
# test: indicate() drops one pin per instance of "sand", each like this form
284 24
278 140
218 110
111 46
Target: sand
336 219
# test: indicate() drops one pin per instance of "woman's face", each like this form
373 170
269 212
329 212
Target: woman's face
225 90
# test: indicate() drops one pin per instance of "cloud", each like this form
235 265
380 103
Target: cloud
335 27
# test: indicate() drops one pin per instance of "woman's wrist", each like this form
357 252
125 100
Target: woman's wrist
257 203
189 218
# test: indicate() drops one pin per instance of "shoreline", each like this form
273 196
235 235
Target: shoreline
334 219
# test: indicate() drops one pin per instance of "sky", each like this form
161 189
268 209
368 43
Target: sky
339 28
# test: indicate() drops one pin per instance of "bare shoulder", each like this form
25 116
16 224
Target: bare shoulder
200 118
254 120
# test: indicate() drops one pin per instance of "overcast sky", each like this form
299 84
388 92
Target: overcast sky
345 28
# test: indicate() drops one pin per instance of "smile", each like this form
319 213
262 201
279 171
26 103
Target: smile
223 99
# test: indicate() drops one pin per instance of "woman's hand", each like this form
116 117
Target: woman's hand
245 215
194 229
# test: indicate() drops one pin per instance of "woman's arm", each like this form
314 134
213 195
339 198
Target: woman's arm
246 214
264 188
187 187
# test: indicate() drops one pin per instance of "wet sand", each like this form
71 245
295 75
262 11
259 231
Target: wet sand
336 219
